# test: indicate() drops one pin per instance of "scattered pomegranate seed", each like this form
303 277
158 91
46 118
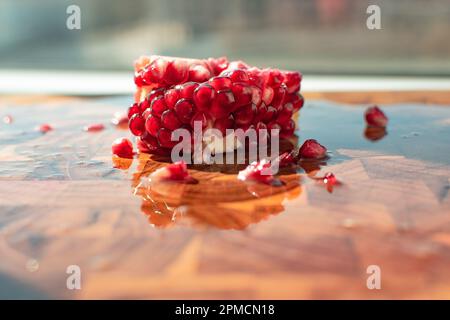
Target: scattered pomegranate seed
259 171
311 149
375 117
375 133
7 119
176 172
44 128
122 147
330 181
94 127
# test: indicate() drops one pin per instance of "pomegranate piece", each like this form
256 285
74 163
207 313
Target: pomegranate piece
94 127
176 172
123 148
44 128
120 119
259 171
175 92
375 117
311 149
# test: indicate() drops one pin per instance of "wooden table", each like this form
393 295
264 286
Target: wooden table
63 203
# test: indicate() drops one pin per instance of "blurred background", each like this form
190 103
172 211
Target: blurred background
315 36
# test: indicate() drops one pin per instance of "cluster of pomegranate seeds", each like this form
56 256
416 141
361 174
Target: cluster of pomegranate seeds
259 171
176 172
123 148
311 149
173 93
44 128
94 127
375 117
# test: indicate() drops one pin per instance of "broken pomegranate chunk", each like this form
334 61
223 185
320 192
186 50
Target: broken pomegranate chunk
375 117
123 148
173 93
311 149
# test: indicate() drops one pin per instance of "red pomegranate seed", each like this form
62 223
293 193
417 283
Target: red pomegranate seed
158 106
270 114
203 97
122 147
296 99
224 124
285 114
237 75
267 95
177 71
150 142
184 110
142 146
155 93
243 94
244 116
186 90
311 149
154 73
259 171
292 80
176 172
137 125
152 124
329 178
44 128
218 64
199 73
222 105
273 126
165 138
256 95
288 130
220 83
138 80
171 97
375 117
144 105
238 65
204 118
273 77
94 127
133 110
170 120
278 96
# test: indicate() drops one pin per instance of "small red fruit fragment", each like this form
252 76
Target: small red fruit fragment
122 147
174 172
311 149
329 178
259 171
94 127
44 128
375 117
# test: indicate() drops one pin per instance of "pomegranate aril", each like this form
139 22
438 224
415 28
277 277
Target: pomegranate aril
375 117
236 75
273 77
220 83
154 73
150 142
286 159
242 94
270 114
184 110
152 124
120 119
256 95
137 125
244 116
143 105
170 120
187 89
267 95
158 106
285 114
330 179
296 99
288 129
199 73
238 65
224 124
218 64
278 97
164 138
138 80
292 80
171 97
311 149
95 127
222 105
133 110
44 128
176 71
204 118
122 147
173 172
155 93
203 96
